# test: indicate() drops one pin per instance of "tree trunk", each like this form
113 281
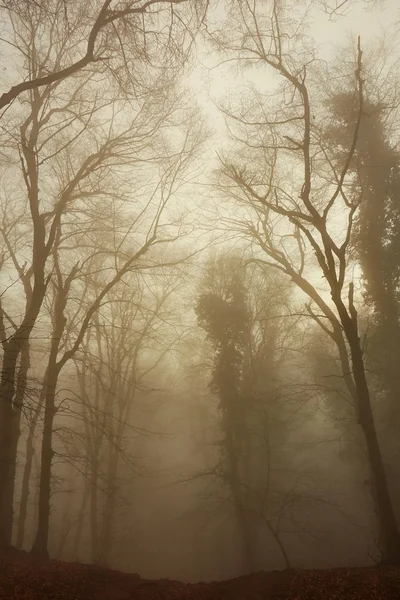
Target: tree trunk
22 381
388 360
75 556
276 536
30 450
66 522
108 523
23 507
94 536
388 527
109 513
7 442
234 451
40 546
10 411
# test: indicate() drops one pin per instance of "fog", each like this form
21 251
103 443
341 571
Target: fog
200 284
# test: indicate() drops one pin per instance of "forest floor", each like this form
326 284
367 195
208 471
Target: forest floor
24 578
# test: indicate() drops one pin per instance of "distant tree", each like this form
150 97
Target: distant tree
240 309
224 317
125 345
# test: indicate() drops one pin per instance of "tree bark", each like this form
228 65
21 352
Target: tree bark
13 347
388 527
9 436
40 545
29 453
7 442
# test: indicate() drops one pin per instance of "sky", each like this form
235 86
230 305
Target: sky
372 23
210 82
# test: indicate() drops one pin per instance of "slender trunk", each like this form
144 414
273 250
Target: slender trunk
7 442
12 392
108 520
388 359
8 489
108 523
278 540
10 407
22 382
80 524
40 545
93 438
248 562
66 527
389 532
23 507
14 346
94 536
29 452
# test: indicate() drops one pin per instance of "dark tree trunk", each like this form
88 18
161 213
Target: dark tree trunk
23 507
388 527
387 520
40 546
7 442
29 452
11 403
234 433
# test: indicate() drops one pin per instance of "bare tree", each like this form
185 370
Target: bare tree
111 376
109 28
297 212
57 362
70 155
338 8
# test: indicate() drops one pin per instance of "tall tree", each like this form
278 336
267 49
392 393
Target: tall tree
282 170
125 346
224 318
376 240
241 308
72 152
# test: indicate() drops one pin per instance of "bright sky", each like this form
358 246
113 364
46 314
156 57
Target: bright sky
373 23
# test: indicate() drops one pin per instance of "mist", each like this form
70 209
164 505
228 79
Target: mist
200 284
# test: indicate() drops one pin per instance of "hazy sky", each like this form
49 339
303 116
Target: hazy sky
374 24
371 23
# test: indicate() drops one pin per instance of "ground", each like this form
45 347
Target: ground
25 578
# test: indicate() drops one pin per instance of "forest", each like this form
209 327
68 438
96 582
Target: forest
200 285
